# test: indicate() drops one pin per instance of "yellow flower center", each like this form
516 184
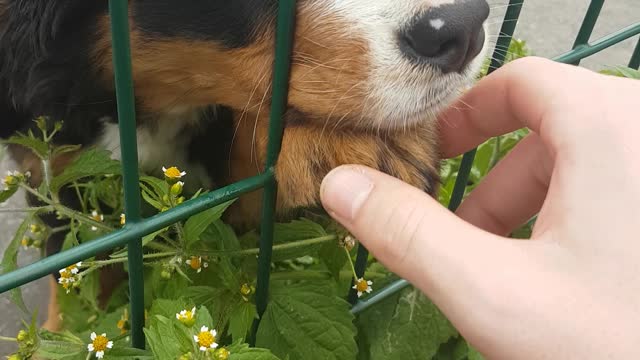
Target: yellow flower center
173 173
187 315
245 290
10 180
362 285
195 263
205 339
100 343
96 217
66 274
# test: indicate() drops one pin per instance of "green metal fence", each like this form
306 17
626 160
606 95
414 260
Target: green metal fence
137 227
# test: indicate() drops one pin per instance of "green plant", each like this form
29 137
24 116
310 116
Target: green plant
201 273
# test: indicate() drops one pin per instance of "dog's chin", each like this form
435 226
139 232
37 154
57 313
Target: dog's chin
424 114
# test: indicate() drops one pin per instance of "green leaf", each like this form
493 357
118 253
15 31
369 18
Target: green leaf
244 352
128 354
334 257
241 320
90 287
622 71
145 240
167 308
454 349
8 193
308 322
49 349
405 326
197 224
297 230
39 147
163 341
10 261
90 163
153 190
65 149
474 354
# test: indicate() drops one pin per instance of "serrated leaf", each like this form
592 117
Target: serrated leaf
49 349
244 352
37 146
241 320
10 261
474 354
180 333
89 288
129 354
90 163
197 224
334 257
307 322
8 193
167 308
297 230
163 341
405 326
153 190
65 149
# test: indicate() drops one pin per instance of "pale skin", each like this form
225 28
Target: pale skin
573 290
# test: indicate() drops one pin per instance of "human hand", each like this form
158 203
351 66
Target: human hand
573 290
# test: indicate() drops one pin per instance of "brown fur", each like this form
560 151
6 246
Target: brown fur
309 153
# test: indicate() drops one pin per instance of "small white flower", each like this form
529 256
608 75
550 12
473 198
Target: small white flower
196 263
206 339
363 286
96 217
173 173
187 317
99 343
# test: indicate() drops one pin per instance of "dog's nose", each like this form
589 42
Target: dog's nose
448 36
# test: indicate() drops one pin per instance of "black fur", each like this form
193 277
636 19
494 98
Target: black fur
45 69
231 23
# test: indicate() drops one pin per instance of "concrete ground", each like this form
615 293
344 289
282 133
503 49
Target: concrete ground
548 26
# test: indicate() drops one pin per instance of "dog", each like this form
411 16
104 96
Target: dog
368 79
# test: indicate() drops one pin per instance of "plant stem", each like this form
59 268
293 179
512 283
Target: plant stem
355 275
276 248
60 229
28 209
66 211
4 338
101 263
320 275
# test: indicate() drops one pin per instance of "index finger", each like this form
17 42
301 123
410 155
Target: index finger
529 92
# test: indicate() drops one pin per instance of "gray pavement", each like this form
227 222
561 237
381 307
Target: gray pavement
549 26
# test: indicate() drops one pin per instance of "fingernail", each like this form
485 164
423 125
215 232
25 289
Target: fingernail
344 190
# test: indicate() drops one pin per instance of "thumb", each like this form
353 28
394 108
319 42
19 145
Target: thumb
453 262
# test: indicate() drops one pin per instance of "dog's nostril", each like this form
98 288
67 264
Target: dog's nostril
449 36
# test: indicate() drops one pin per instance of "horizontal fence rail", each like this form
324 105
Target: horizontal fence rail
137 227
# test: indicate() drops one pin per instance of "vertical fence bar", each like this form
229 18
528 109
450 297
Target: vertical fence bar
119 10
280 88
588 24
360 267
634 63
499 54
